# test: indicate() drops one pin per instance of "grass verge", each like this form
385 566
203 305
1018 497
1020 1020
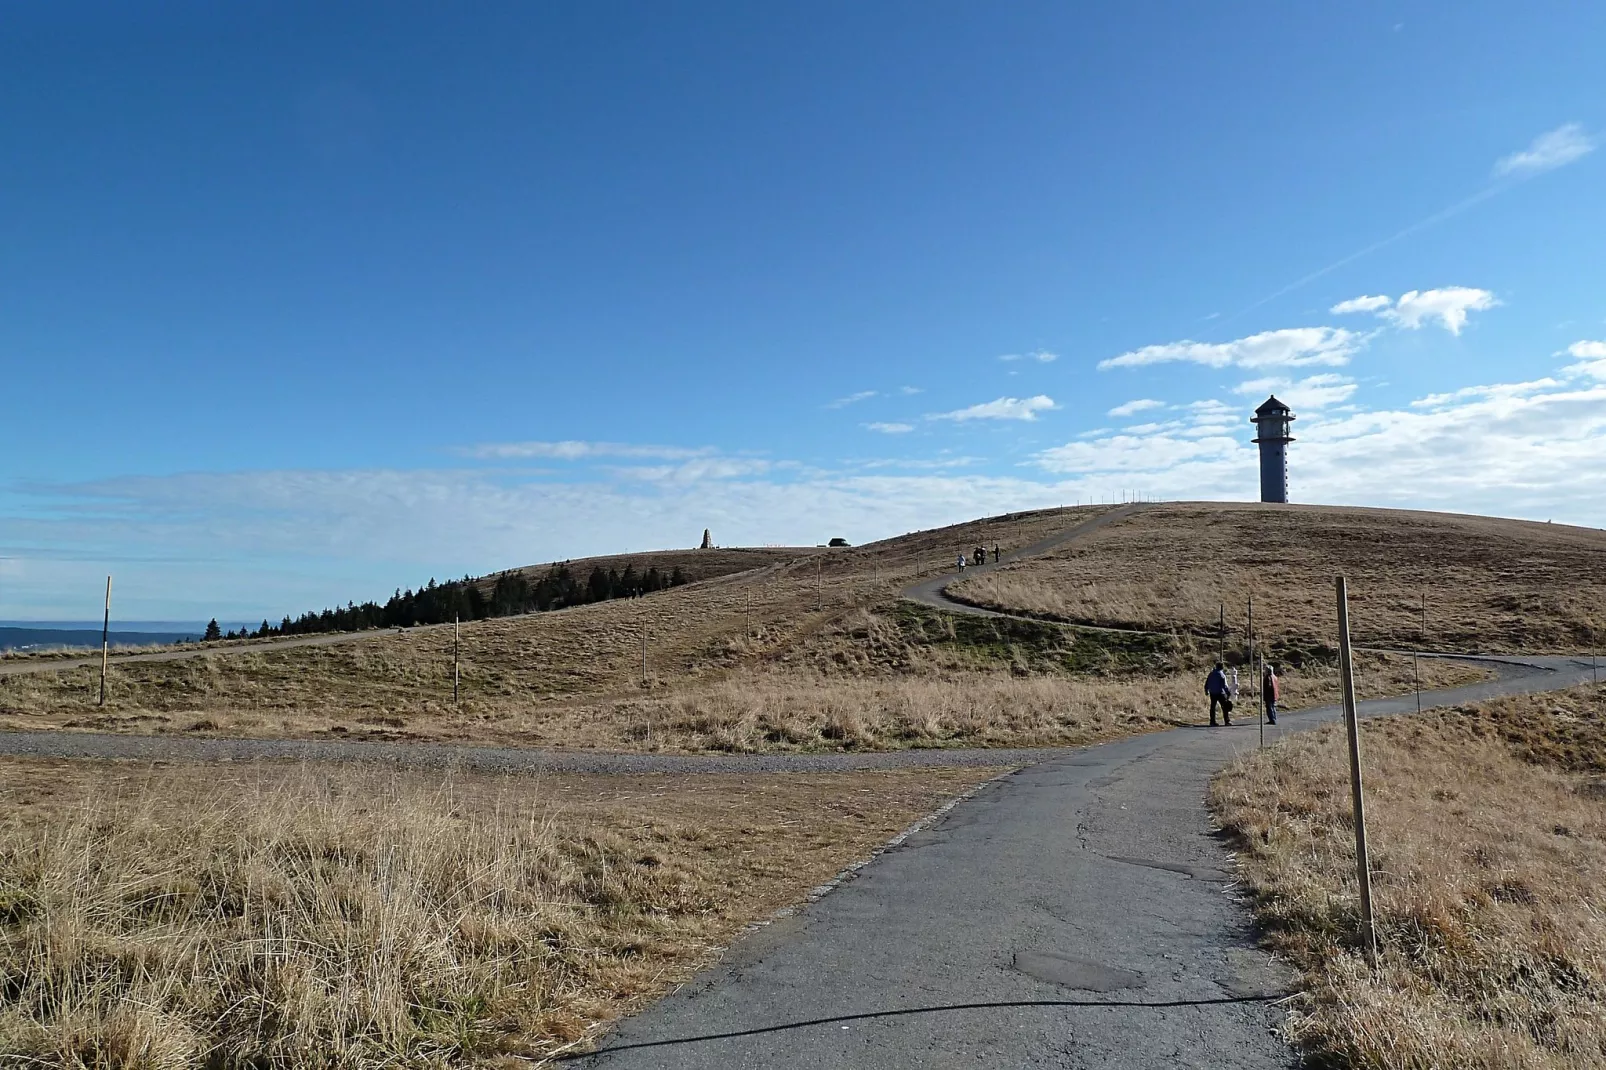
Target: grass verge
275 916
1487 827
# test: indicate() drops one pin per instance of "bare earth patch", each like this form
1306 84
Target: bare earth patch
343 916
1487 826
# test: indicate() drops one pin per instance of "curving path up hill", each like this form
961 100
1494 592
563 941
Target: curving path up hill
934 592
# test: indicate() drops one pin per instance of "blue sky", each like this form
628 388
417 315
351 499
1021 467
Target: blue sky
303 304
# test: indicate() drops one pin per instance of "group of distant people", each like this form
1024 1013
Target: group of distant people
978 557
1222 687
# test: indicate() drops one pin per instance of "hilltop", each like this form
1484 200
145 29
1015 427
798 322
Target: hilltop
1489 585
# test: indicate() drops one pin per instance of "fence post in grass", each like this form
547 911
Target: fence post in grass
105 635
1260 694
819 581
644 660
1363 869
1221 630
457 635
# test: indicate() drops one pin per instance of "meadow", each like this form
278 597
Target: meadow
1487 833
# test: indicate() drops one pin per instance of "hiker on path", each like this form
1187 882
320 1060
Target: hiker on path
1270 691
1232 684
1216 688
981 555
961 562
995 553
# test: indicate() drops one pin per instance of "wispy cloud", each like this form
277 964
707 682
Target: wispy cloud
908 390
1001 409
890 428
1135 406
1312 392
1550 150
852 399
1042 356
1449 306
1361 304
578 451
1292 347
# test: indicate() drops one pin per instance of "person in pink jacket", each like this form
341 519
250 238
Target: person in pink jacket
1270 692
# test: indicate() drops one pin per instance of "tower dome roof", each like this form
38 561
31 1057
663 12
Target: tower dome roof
1271 405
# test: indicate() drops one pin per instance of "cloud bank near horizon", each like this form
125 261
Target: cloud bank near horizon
1527 449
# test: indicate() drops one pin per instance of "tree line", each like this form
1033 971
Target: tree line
469 599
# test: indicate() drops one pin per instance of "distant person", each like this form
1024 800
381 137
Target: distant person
1216 688
1270 691
981 555
961 562
1232 684
995 553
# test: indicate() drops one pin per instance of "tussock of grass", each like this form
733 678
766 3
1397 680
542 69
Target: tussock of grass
1488 834
356 919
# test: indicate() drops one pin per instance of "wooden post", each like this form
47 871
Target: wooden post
1260 695
750 609
1221 630
819 581
457 635
1363 868
105 635
644 661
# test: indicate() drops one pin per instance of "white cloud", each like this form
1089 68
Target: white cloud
1360 304
851 399
907 390
890 428
1135 406
577 451
1509 449
1551 150
1591 359
1042 356
249 544
1001 409
1311 392
1291 347
1449 306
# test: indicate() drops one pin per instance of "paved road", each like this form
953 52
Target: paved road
1090 879
933 592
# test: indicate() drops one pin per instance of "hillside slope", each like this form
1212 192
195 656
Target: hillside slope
1490 585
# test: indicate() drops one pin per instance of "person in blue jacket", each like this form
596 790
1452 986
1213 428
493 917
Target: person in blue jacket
1216 688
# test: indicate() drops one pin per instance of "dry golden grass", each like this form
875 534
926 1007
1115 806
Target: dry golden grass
1487 827
1491 585
342 917
938 702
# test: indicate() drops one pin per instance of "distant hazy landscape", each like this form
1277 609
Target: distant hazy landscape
56 635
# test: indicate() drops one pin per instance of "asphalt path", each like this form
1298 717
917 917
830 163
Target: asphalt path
1077 913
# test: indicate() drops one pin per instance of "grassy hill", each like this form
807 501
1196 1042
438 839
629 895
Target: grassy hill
1490 585
812 649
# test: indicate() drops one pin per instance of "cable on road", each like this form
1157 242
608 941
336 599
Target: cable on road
1271 997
